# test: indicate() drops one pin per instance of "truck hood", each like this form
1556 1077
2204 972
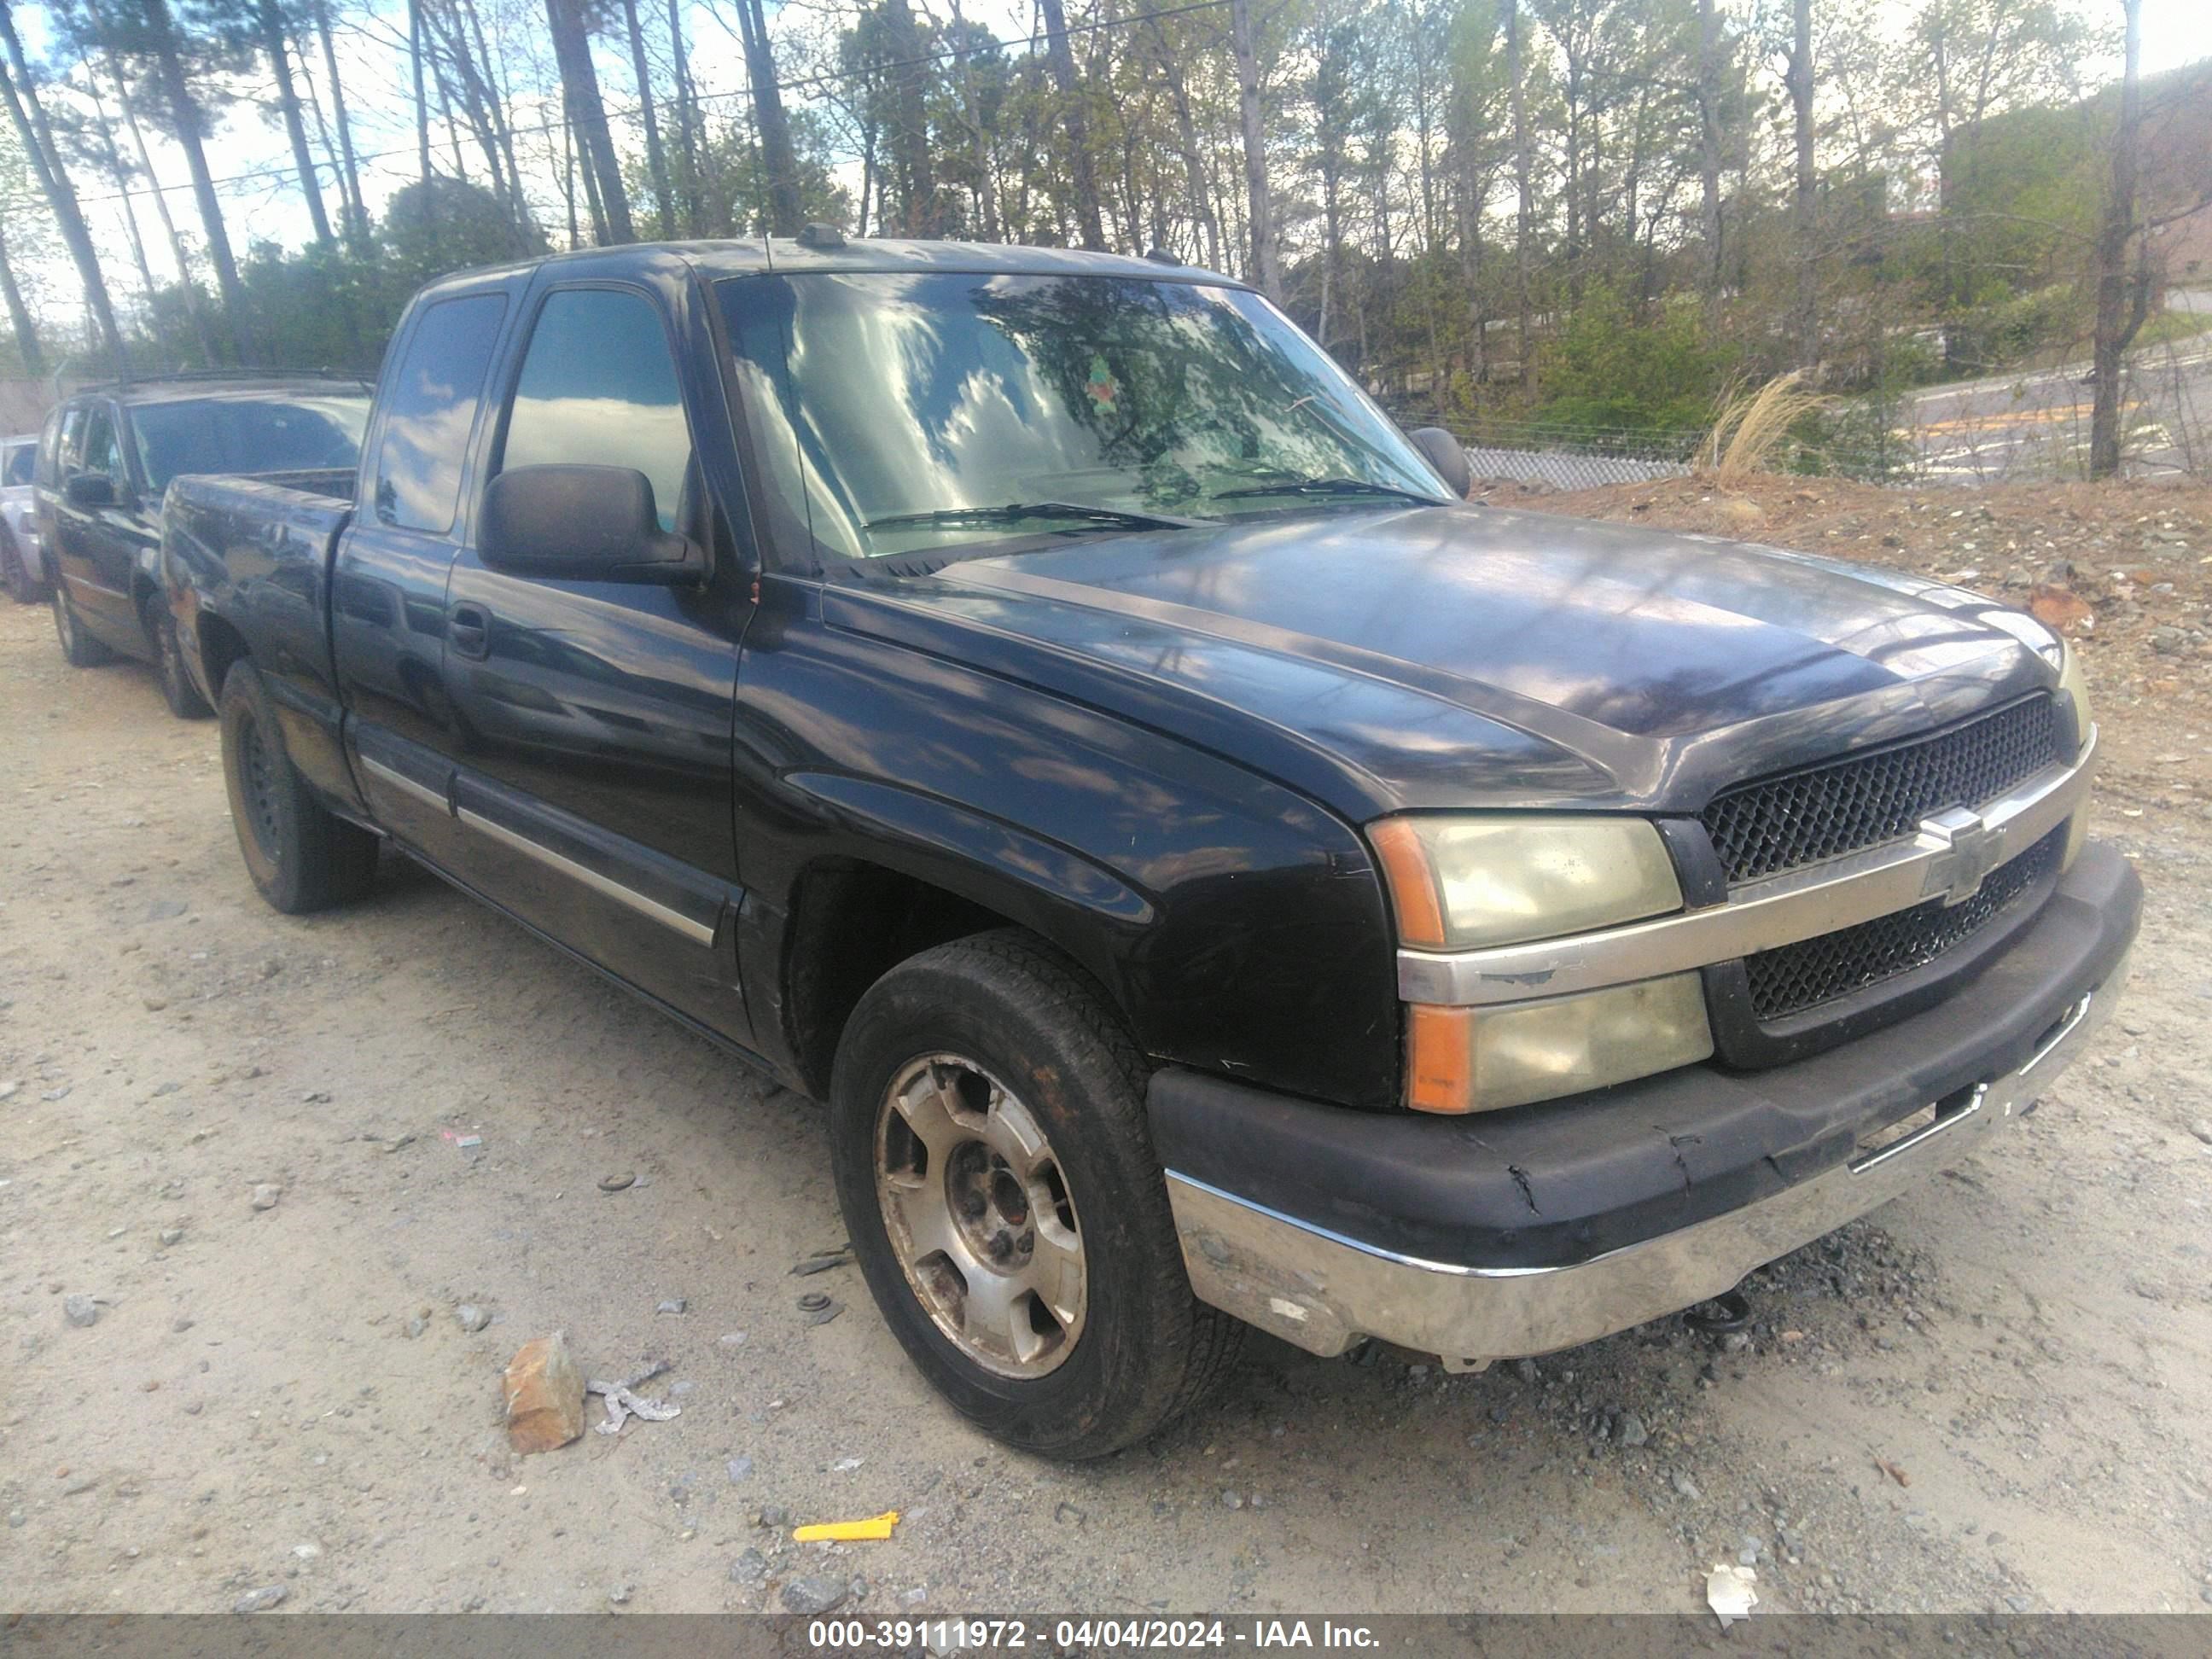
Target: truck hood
1452 656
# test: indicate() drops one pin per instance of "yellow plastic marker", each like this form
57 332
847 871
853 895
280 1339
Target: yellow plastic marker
847 1532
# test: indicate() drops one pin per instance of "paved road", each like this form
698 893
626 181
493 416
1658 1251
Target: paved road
2036 426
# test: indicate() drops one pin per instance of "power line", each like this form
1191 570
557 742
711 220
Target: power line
278 172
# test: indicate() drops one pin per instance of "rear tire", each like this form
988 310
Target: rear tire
23 584
301 855
177 688
995 1169
79 648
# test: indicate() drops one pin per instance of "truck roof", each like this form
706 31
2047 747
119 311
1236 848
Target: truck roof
753 256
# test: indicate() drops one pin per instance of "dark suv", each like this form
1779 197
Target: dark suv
106 454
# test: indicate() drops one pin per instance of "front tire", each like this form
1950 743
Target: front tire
995 1169
79 648
177 688
301 855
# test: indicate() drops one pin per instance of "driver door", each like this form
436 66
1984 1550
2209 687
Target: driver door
595 776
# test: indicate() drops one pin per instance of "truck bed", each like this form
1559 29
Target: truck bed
246 563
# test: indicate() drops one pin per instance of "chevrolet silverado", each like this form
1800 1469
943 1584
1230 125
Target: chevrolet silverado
1036 703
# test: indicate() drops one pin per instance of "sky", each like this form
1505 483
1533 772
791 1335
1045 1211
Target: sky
264 204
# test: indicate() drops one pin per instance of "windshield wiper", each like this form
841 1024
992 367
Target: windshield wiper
1018 512
1324 487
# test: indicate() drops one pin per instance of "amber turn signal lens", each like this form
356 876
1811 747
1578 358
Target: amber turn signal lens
1439 1059
1412 888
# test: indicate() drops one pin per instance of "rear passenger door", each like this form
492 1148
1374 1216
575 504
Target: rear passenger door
388 582
596 776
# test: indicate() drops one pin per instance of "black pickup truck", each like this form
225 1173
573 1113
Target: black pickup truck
107 453
1036 703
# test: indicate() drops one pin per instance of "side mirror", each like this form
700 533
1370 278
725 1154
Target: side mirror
89 490
1449 456
594 523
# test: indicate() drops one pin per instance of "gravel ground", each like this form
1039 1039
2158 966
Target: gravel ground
1991 1396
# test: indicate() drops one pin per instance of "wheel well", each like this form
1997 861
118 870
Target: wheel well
851 924
220 645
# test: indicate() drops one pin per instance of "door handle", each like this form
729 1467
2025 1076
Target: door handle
469 630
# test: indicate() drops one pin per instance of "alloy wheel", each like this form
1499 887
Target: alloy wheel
979 1216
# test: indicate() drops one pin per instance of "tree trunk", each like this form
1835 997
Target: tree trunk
469 85
2123 298
580 87
186 289
184 114
1061 62
495 106
422 103
37 138
569 184
1193 165
120 177
1709 155
656 162
1802 205
1523 206
910 143
19 316
287 100
445 117
1267 258
687 123
978 140
787 210
1332 244
356 209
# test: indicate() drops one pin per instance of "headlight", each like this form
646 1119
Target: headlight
1459 884
1483 1059
2073 683
1464 883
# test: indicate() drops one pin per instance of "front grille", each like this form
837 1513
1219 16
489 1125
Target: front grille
1825 811
1792 978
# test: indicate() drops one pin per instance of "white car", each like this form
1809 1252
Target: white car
20 565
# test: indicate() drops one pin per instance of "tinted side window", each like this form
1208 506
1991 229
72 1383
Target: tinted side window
431 405
72 440
16 470
599 388
101 453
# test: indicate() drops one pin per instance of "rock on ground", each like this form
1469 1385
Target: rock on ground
544 1395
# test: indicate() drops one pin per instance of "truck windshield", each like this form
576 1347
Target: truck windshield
916 411
248 434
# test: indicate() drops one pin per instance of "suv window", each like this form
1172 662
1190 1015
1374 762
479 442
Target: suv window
430 407
599 388
279 433
72 442
101 453
16 468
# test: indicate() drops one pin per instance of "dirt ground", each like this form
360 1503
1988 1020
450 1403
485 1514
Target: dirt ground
1997 1395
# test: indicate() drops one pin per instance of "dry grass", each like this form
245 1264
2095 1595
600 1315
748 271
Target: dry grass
1752 426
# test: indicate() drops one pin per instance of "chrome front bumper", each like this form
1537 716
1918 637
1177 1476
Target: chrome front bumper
1323 1292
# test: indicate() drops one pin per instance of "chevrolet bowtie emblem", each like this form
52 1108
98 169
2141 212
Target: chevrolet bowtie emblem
1968 850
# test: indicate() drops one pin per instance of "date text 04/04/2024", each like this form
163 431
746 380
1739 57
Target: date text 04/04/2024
1090 1635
